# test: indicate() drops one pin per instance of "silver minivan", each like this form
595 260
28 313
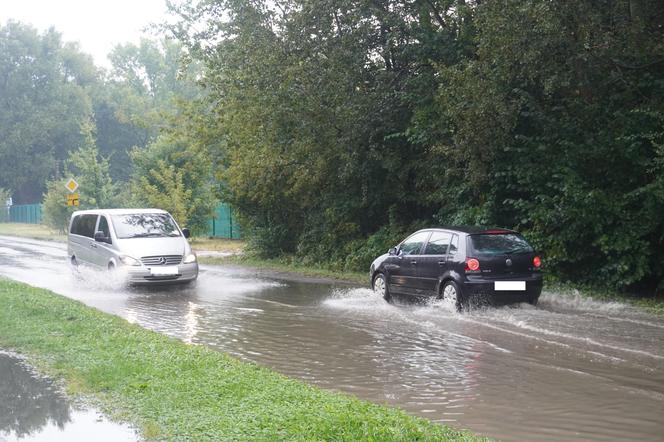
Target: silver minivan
146 243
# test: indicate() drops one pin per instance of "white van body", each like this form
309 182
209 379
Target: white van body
145 243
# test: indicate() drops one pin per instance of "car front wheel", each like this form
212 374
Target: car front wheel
380 287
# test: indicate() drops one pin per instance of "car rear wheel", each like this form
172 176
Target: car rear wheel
380 287
451 295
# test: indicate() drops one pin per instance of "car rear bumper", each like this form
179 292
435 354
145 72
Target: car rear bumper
143 275
482 288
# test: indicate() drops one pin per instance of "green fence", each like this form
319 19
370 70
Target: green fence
26 213
224 224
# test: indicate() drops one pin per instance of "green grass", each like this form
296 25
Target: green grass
37 231
174 391
288 265
217 244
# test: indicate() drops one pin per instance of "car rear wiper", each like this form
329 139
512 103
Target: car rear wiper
518 250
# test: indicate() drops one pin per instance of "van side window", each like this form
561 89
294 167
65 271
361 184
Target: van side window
75 225
103 227
86 225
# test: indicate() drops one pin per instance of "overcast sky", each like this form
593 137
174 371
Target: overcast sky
97 25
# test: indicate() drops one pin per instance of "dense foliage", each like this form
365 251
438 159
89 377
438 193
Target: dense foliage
342 121
335 128
44 86
61 116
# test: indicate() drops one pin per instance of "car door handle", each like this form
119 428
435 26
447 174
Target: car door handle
93 245
413 262
441 262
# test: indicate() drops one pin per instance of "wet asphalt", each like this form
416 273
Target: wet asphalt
570 369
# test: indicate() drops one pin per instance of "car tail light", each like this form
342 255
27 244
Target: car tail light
537 262
472 265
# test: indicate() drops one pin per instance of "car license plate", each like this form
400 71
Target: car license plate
164 271
505 286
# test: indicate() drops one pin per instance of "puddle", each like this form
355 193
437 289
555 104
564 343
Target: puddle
33 409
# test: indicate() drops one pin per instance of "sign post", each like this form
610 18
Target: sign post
9 203
72 198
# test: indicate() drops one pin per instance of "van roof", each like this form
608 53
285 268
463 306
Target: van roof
117 211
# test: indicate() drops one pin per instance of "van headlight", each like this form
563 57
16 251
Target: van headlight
129 261
188 259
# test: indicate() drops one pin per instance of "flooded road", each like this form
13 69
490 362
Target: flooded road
570 369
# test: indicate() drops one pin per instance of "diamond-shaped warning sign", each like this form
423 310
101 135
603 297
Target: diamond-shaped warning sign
71 185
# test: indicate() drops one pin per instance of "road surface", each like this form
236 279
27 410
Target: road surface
570 369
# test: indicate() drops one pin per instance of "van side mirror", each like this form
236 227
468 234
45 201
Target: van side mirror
392 251
186 232
101 237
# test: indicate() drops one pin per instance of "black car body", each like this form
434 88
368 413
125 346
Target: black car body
468 265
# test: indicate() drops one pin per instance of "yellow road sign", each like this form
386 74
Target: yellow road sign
71 185
73 199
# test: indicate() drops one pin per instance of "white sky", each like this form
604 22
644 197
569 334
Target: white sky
98 25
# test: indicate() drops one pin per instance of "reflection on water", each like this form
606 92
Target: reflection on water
28 402
33 409
570 369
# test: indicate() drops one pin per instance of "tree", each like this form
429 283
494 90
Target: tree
323 108
338 121
96 188
174 173
557 124
43 99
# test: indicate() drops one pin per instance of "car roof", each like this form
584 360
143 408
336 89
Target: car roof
471 230
117 211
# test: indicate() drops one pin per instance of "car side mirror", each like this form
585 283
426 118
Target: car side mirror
101 237
186 232
392 251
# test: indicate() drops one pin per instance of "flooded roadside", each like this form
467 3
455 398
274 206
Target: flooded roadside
571 369
32 409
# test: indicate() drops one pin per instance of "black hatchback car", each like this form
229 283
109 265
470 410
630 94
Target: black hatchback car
463 265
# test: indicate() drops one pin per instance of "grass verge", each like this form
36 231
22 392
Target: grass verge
217 244
288 265
174 391
37 231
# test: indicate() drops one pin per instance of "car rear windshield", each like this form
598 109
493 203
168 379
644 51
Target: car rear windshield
499 244
144 225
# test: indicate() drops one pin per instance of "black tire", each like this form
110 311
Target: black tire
75 270
452 292
111 267
379 286
533 300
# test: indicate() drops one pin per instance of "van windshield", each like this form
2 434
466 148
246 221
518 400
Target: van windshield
144 225
499 244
